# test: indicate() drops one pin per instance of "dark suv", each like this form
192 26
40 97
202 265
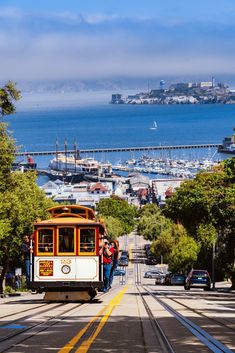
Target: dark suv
198 279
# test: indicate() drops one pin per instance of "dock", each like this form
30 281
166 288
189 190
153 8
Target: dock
119 149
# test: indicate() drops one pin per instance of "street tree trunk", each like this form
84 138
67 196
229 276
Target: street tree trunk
5 265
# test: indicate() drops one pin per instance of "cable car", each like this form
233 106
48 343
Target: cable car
65 261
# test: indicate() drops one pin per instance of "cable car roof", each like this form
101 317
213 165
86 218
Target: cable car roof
68 221
72 210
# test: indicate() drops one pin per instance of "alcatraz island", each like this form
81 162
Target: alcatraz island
181 93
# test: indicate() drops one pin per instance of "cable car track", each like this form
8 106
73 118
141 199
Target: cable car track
28 316
22 311
160 334
201 314
38 327
209 341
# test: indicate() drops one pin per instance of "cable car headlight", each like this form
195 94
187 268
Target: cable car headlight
65 269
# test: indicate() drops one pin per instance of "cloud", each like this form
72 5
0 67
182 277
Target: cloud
11 13
64 45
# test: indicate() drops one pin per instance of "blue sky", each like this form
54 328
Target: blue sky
99 39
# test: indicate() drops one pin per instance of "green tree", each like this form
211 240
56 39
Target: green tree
206 207
114 227
120 209
151 226
7 157
21 200
149 210
177 248
163 246
8 94
184 254
20 206
151 222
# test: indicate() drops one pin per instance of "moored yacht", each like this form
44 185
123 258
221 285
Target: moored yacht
69 168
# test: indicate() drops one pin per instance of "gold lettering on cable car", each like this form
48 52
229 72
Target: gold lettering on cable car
65 261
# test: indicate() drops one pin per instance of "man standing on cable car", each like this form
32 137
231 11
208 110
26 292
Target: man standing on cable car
107 253
26 250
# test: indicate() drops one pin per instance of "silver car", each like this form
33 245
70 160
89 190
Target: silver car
151 274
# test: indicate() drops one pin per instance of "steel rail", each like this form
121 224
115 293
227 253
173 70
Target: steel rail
42 326
160 334
23 311
201 314
209 341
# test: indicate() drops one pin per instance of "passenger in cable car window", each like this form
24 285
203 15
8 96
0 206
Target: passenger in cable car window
84 248
48 247
63 246
66 244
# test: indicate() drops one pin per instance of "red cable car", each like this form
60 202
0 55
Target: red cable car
66 262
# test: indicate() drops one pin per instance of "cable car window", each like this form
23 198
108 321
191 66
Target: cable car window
66 240
87 240
45 240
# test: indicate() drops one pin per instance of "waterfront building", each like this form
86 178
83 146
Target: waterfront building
116 98
208 84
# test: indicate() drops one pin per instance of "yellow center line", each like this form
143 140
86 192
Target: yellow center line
70 345
84 347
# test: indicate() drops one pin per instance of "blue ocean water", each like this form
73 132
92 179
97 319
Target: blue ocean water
96 124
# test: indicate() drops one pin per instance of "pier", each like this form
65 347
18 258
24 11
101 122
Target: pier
119 149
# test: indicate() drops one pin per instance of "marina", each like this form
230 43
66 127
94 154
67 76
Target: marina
169 167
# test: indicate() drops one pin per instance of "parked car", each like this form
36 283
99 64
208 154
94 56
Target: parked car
119 272
177 279
151 261
198 279
123 261
125 253
151 274
160 278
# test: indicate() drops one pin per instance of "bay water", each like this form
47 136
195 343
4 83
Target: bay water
92 122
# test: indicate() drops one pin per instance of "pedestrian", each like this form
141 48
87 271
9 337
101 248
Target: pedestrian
107 253
9 279
115 245
27 250
17 282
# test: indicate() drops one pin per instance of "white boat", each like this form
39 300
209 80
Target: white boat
154 127
68 164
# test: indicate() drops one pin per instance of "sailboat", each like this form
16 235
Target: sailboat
154 127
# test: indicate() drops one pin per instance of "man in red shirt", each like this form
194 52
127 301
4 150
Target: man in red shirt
107 253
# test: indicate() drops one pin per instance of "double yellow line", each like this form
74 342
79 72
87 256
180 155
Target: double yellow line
105 313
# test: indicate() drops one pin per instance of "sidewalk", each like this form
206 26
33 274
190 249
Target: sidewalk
224 286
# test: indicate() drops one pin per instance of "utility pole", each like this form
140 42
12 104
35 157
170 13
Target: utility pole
213 266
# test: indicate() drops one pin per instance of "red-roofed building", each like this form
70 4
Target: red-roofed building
98 188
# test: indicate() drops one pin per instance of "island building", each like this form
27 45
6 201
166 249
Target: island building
203 92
